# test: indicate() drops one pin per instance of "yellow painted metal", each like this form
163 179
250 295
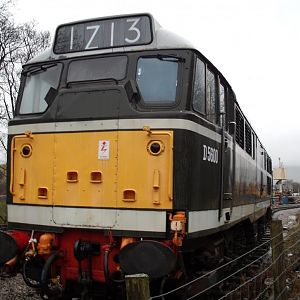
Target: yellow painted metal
69 168
136 169
30 173
78 153
169 134
27 136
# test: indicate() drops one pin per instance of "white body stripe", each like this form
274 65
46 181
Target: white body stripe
96 218
116 219
208 219
122 124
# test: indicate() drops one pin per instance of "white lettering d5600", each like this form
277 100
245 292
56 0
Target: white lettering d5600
210 154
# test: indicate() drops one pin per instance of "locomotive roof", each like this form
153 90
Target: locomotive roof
162 39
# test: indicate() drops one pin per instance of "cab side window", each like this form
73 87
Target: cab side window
157 80
205 93
211 96
199 88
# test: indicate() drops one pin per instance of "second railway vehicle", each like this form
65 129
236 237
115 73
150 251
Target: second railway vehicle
128 153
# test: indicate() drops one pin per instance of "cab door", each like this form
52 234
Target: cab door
228 155
31 167
145 169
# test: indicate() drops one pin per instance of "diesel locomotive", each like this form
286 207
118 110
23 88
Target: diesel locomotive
128 153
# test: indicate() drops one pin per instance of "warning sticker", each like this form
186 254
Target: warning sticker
103 150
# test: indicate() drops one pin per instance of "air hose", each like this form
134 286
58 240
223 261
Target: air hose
36 284
45 277
108 278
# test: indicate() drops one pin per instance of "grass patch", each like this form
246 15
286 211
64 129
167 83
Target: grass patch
3 211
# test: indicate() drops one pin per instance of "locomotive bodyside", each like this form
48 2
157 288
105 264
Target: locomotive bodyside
114 164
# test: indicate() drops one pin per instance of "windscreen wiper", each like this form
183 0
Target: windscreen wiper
38 69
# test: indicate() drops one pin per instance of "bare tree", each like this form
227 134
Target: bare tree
18 44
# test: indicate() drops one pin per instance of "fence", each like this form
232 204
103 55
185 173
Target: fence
262 273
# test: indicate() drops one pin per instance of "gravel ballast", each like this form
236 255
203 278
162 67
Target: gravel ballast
14 288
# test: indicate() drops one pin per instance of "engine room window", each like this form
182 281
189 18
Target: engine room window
240 124
253 145
40 82
211 96
199 88
97 69
248 139
157 80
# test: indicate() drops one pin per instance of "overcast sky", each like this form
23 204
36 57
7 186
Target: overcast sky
254 43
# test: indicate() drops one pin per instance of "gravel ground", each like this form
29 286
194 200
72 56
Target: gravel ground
14 288
284 216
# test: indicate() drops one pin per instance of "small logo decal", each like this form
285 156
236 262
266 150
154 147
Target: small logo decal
103 150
